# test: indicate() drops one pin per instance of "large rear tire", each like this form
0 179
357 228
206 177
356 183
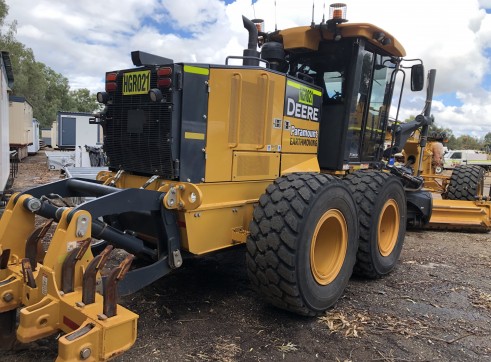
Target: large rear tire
382 209
303 241
466 183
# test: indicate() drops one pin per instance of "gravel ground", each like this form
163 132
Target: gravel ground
435 306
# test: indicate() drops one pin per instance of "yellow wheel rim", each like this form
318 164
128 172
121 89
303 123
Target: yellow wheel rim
388 227
328 247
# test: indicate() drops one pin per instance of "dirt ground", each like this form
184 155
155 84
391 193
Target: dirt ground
435 306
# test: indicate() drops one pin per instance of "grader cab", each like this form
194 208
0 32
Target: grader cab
283 153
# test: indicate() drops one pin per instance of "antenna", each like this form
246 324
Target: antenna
312 24
324 12
275 21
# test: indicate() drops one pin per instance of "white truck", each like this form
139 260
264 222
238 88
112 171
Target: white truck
466 157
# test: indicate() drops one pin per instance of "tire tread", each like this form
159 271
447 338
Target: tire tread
274 276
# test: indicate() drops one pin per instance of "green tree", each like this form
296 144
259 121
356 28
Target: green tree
487 139
81 100
469 143
55 97
453 143
487 142
4 9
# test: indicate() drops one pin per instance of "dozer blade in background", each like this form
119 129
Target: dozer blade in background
461 215
51 301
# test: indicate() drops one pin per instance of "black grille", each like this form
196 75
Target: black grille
142 146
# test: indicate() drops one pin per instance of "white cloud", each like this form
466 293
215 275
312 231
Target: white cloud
84 39
195 13
485 4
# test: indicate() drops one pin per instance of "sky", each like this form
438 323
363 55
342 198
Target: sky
85 38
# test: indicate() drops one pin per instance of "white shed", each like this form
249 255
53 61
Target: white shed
34 148
20 125
6 82
74 130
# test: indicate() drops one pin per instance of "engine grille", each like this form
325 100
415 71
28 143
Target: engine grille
137 132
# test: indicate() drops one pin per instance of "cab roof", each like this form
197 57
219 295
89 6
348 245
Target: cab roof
308 38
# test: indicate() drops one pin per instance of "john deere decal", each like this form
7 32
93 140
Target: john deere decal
302 102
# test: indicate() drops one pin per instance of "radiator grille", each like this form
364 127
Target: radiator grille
142 146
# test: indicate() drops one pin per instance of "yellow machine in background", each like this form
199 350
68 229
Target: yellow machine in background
463 204
431 167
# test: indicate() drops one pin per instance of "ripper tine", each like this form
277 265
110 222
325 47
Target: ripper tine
83 248
28 274
104 256
125 266
68 267
4 259
89 279
110 287
33 242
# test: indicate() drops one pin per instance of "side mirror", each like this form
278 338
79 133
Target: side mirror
417 77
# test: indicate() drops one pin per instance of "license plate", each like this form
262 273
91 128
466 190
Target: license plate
136 82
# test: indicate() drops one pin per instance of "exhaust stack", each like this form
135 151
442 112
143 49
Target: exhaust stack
251 50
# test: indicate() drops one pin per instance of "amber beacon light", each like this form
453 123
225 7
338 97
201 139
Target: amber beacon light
337 11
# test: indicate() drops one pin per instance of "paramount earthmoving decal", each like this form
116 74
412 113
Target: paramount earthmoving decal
303 137
302 114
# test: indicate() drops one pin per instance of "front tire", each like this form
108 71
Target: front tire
382 209
303 241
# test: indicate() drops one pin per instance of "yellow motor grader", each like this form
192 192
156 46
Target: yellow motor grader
462 203
282 153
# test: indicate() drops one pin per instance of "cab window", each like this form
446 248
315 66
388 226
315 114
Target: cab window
334 85
369 116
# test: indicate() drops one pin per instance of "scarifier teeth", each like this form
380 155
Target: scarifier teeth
32 244
89 279
68 268
110 287
27 273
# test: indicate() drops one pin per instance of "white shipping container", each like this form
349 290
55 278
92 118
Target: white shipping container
34 148
54 135
20 121
6 80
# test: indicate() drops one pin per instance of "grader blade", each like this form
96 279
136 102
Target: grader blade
461 215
